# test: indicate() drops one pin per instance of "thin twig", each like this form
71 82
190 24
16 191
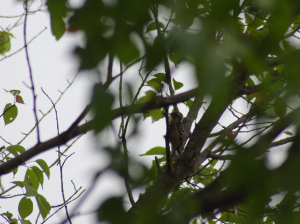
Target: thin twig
49 109
80 202
30 74
66 150
69 199
13 196
37 218
198 171
124 142
4 217
59 161
137 94
165 56
128 66
9 17
109 69
63 206
2 193
67 158
24 46
5 140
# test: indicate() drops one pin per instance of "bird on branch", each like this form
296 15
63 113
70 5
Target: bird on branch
176 132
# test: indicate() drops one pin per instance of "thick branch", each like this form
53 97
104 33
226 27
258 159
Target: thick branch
74 131
191 116
191 157
211 116
282 142
212 196
220 157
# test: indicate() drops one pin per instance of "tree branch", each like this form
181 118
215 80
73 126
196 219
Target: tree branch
212 196
191 157
30 75
282 142
59 160
72 132
165 55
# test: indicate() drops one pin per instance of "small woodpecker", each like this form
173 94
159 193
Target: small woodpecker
176 132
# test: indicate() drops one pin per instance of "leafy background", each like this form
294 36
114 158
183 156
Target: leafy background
52 66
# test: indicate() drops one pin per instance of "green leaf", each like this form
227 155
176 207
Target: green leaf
155 83
25 207
154 114
250 82
102 102
276 86
153 170
155 52
19 148
189 103
203 180
288 133
176 54
178 196
19 183
14 149
229 217
39 174
213 163
25 221
14 92
152 26
30 191
15 170
177 85
43 204
44 166
5 44
58 11
8 215
14 221
280 107
108 210
10 113
296 22
125 50
149 96
31 179
257 22
287 47
184 16
194 221
158 150
248 19
161 76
